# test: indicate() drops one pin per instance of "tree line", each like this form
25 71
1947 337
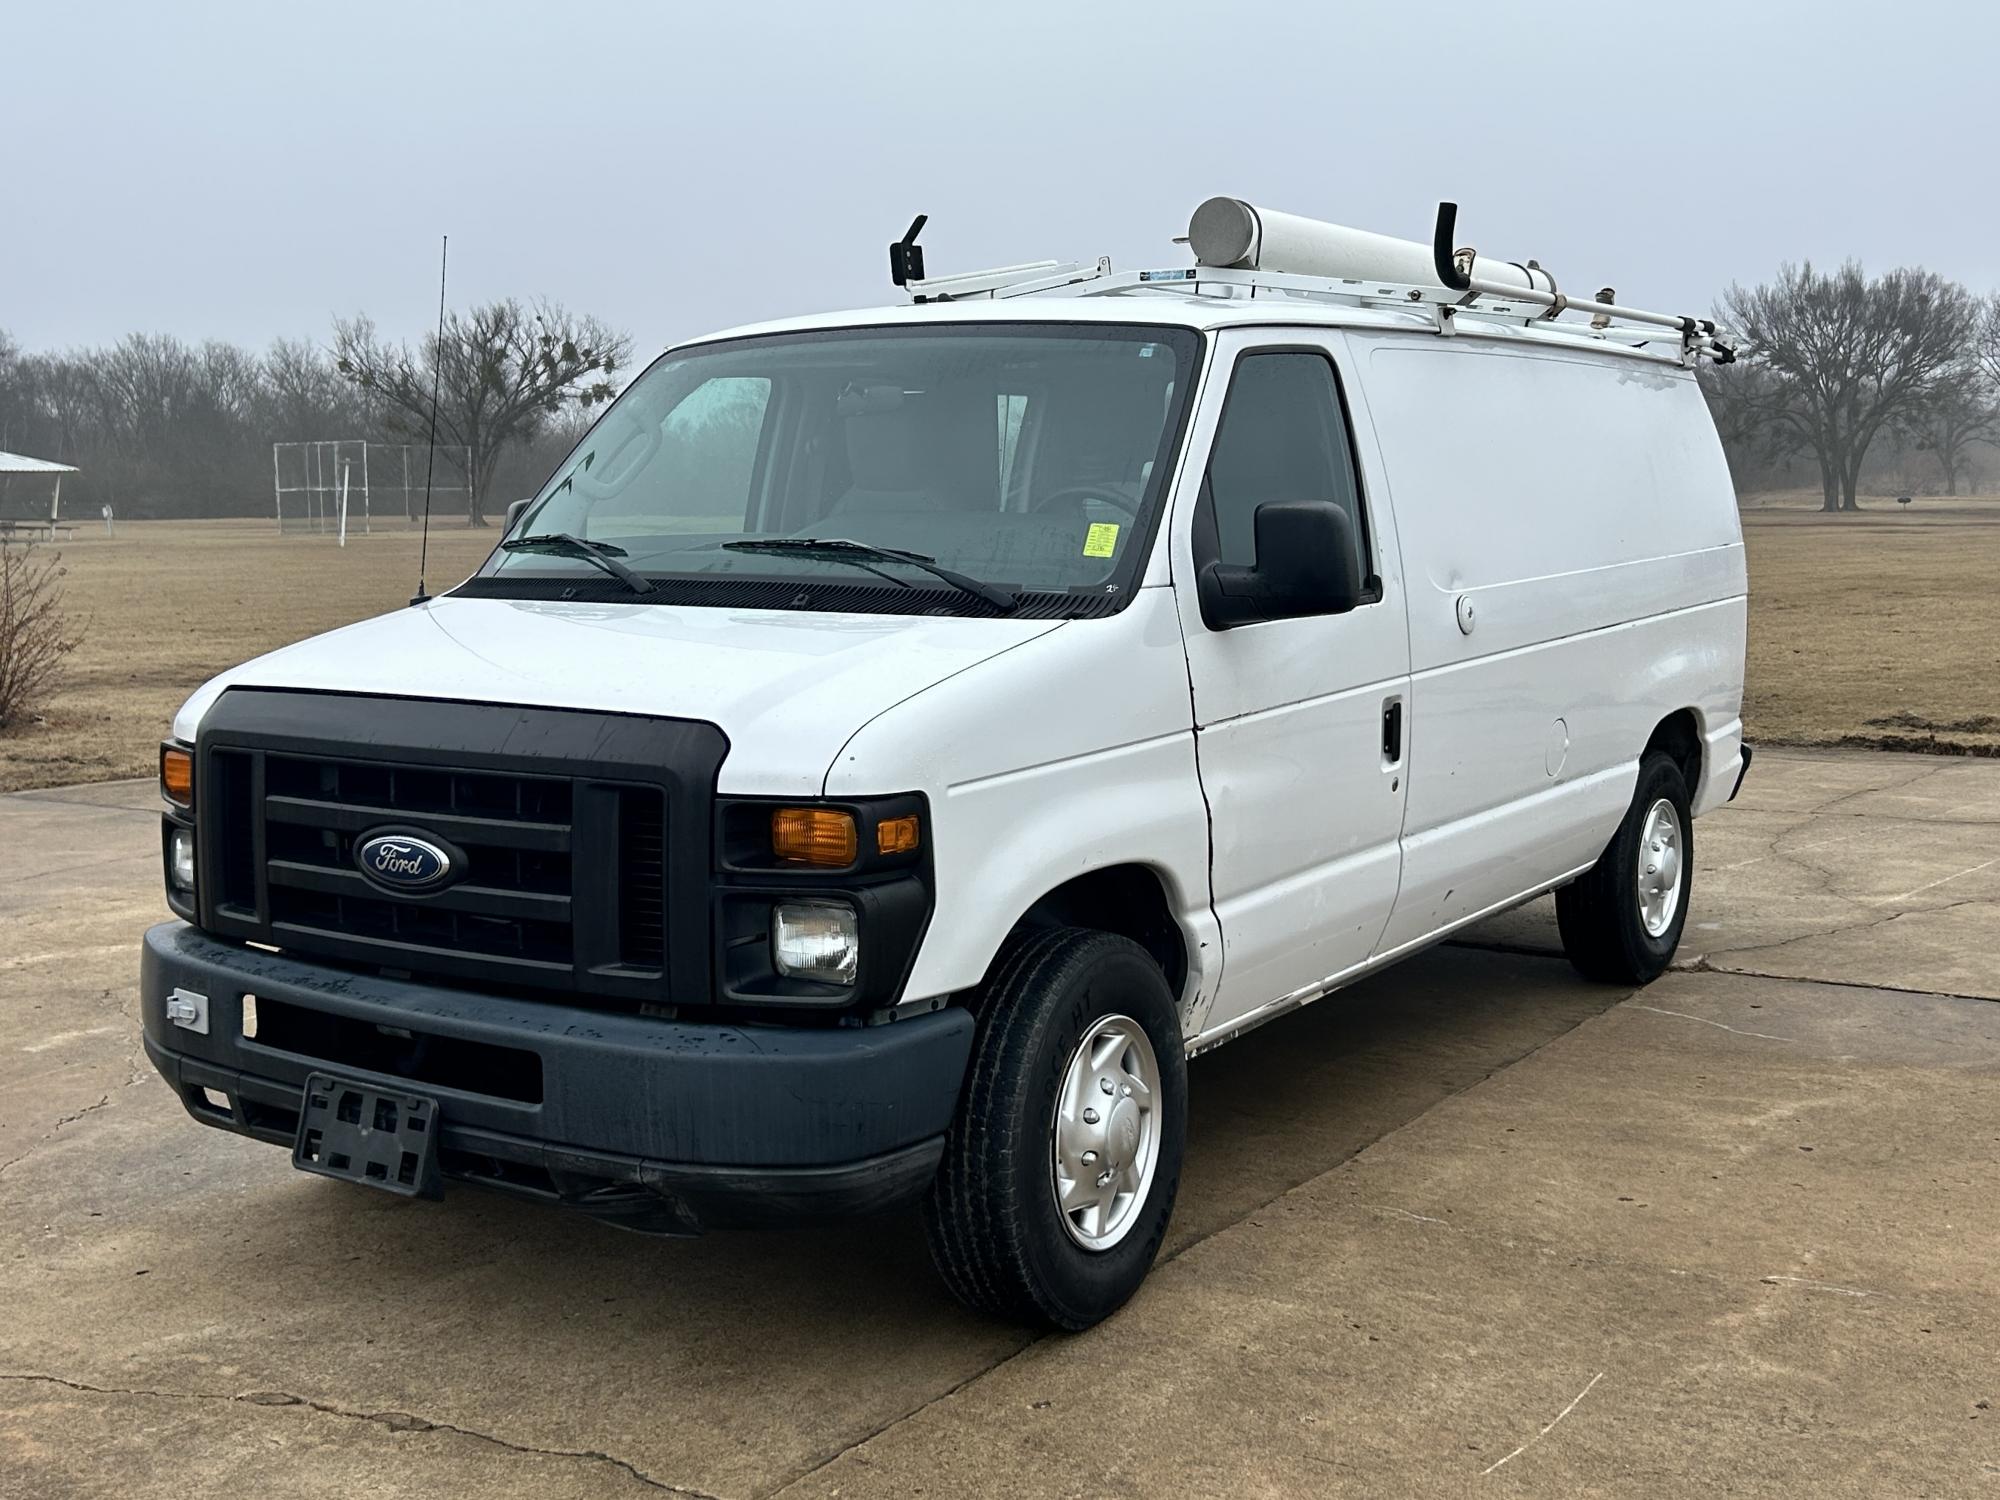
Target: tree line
161 427
1839 375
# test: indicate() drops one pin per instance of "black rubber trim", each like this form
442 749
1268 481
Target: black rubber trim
1745 771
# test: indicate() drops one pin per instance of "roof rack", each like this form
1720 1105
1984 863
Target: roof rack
1499 296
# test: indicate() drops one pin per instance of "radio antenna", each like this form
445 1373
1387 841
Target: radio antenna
430 463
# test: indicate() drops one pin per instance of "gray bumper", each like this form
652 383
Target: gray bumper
663 1125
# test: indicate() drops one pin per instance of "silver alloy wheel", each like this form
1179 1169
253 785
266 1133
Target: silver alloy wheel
1659 871
1106 1132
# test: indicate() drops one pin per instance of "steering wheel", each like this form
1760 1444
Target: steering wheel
1078 493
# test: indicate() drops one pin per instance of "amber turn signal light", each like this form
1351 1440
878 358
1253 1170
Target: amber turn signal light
896 835
821 836
177 775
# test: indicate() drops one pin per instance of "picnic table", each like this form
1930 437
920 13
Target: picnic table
33 531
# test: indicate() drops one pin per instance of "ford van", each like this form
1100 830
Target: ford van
893 744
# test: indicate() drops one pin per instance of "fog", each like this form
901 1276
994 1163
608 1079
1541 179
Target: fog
249 170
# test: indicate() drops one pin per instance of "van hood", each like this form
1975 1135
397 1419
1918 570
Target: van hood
788 688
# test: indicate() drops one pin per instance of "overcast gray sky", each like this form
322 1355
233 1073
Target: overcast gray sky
247 170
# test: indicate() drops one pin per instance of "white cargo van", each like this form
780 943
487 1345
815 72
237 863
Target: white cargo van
893 743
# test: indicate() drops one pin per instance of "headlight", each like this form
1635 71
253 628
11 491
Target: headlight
816 941
180 861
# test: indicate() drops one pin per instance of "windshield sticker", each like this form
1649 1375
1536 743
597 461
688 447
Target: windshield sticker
1101 540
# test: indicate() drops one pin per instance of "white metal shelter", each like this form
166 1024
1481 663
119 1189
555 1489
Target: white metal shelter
12 464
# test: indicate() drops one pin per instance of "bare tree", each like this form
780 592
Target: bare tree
303 397
1739 395
13 392
502 371
1848 356
1986 340
34 635
1964 410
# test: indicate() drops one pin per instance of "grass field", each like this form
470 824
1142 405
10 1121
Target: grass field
1881 628
165 605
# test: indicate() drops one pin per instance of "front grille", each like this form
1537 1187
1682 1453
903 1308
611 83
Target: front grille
580 848
513 901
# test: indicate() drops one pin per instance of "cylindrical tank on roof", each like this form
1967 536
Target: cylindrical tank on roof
1229 233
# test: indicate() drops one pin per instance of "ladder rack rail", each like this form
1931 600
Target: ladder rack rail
1512 310
1457 294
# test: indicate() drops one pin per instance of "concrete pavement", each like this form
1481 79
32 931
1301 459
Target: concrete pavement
1473 1224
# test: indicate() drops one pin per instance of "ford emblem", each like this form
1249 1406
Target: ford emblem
403 862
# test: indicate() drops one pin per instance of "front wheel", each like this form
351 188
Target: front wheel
1060 1171
1621 920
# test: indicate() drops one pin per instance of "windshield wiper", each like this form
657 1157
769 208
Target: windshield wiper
841 549
600 554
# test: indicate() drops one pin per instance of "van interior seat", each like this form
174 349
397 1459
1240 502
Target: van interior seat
936 451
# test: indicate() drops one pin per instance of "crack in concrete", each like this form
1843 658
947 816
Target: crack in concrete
1706 962
1547 1429
52 1132
62 1120
916 1411
1815 815
1700 961
395 1421
1658 1010
1706 965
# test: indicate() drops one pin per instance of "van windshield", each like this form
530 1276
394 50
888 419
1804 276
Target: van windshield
1029 457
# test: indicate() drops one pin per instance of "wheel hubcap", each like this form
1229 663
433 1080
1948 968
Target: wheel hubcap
1659 871
1106 1132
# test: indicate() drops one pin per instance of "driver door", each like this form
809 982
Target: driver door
1300 724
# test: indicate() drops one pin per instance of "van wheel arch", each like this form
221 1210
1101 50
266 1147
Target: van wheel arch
1679 735
1129 900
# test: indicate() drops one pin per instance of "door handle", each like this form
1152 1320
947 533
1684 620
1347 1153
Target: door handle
1392 731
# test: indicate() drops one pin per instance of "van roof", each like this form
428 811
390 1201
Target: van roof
1174 309
1167 308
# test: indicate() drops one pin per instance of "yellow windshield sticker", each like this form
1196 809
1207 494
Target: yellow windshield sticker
1101 540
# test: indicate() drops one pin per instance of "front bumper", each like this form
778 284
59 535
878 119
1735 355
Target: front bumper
667 1126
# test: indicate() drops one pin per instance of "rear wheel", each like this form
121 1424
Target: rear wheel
1060 1171
1621 920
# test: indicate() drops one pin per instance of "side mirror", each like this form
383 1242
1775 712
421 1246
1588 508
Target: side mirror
514 512
1306 565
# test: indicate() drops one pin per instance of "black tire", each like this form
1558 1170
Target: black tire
1603 931
996 1233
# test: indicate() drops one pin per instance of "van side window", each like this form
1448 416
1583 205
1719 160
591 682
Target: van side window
1283 437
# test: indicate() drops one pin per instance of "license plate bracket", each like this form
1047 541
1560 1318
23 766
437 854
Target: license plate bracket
380 1138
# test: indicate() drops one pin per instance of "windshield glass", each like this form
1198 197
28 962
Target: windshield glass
1028 456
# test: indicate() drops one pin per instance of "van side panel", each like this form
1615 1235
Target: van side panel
1575 512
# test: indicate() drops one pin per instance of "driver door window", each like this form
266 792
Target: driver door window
1283 436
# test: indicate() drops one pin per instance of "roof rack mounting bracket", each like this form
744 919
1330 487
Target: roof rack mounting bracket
906 256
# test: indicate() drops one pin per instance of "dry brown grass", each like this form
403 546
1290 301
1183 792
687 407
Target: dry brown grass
165 605
1881 628
1878 628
